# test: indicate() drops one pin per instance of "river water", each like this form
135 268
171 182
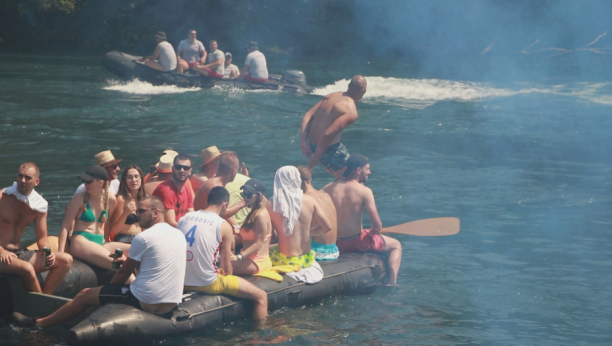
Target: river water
524 163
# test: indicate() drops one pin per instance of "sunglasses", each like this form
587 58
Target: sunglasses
87 182
246 194
113 166
179 167
142 210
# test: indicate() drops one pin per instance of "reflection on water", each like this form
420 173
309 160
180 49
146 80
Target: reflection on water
525 166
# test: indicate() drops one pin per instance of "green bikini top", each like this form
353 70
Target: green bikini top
88 215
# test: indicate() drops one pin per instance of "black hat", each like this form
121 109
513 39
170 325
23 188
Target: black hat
94 172
354 161
254 185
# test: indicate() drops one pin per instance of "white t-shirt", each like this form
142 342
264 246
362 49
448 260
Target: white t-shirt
202 230
228 71
167 57
214 56
112 188
161 253
191 52
257 65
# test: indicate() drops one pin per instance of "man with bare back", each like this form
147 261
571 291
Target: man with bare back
293 215
323 124
20 204
324 246
351 197
228 167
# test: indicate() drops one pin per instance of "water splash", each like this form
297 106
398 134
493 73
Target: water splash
138 87
422 93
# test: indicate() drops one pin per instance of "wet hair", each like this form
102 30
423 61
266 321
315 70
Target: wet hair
305 173
154 202
123 188
218 195
211 41
181 157
33 165
228 162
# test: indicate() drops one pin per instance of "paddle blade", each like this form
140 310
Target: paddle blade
435 227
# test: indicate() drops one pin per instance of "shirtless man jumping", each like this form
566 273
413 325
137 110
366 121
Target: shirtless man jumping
323 124
19 206
351 197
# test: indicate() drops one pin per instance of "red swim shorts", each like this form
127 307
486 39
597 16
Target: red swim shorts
252 79
366 241
190 64
213 74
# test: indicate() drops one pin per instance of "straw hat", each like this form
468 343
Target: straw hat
106 158
171 153
210 154
165 163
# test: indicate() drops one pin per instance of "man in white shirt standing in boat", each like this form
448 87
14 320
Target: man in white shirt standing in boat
159 253
351 197
255 68
190 52
20 204
207 234
164 57
216 63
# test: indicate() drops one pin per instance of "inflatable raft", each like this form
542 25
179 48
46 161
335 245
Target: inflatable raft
353 273
127 67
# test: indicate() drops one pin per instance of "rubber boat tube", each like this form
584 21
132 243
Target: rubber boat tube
127 67
352 273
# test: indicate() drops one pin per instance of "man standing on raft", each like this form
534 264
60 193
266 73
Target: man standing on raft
20 204
323 124
351 197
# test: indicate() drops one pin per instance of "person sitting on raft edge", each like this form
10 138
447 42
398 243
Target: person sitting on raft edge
324 246
165 52
208 234
255 68
351 198
159 253
292 214
20 204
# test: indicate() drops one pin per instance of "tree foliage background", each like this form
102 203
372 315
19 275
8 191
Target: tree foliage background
92 27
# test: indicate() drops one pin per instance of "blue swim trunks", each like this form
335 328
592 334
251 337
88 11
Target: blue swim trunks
325 252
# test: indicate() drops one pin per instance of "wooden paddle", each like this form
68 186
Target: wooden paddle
435 227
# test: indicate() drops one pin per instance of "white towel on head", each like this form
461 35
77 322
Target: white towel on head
35 201
287 198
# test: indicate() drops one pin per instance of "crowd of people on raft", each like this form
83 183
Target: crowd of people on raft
176 223
191 56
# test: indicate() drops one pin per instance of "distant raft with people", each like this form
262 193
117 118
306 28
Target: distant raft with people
351 274
128 67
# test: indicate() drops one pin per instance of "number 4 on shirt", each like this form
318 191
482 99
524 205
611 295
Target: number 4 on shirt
190 236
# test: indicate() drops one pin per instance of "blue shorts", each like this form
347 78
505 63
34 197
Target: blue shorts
325 252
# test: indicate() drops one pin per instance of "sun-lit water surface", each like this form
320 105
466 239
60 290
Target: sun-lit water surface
525 165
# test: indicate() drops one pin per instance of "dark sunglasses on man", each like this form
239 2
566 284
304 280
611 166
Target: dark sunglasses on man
179 167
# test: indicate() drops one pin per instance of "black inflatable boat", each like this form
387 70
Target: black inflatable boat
353 273
127 67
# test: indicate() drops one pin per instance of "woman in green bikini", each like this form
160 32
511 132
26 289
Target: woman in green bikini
90 212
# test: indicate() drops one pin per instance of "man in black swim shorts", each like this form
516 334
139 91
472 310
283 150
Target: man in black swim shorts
323 124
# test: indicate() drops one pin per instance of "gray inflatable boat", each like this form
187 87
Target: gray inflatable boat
353 273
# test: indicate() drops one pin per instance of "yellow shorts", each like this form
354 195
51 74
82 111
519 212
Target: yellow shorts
278 259
224 284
